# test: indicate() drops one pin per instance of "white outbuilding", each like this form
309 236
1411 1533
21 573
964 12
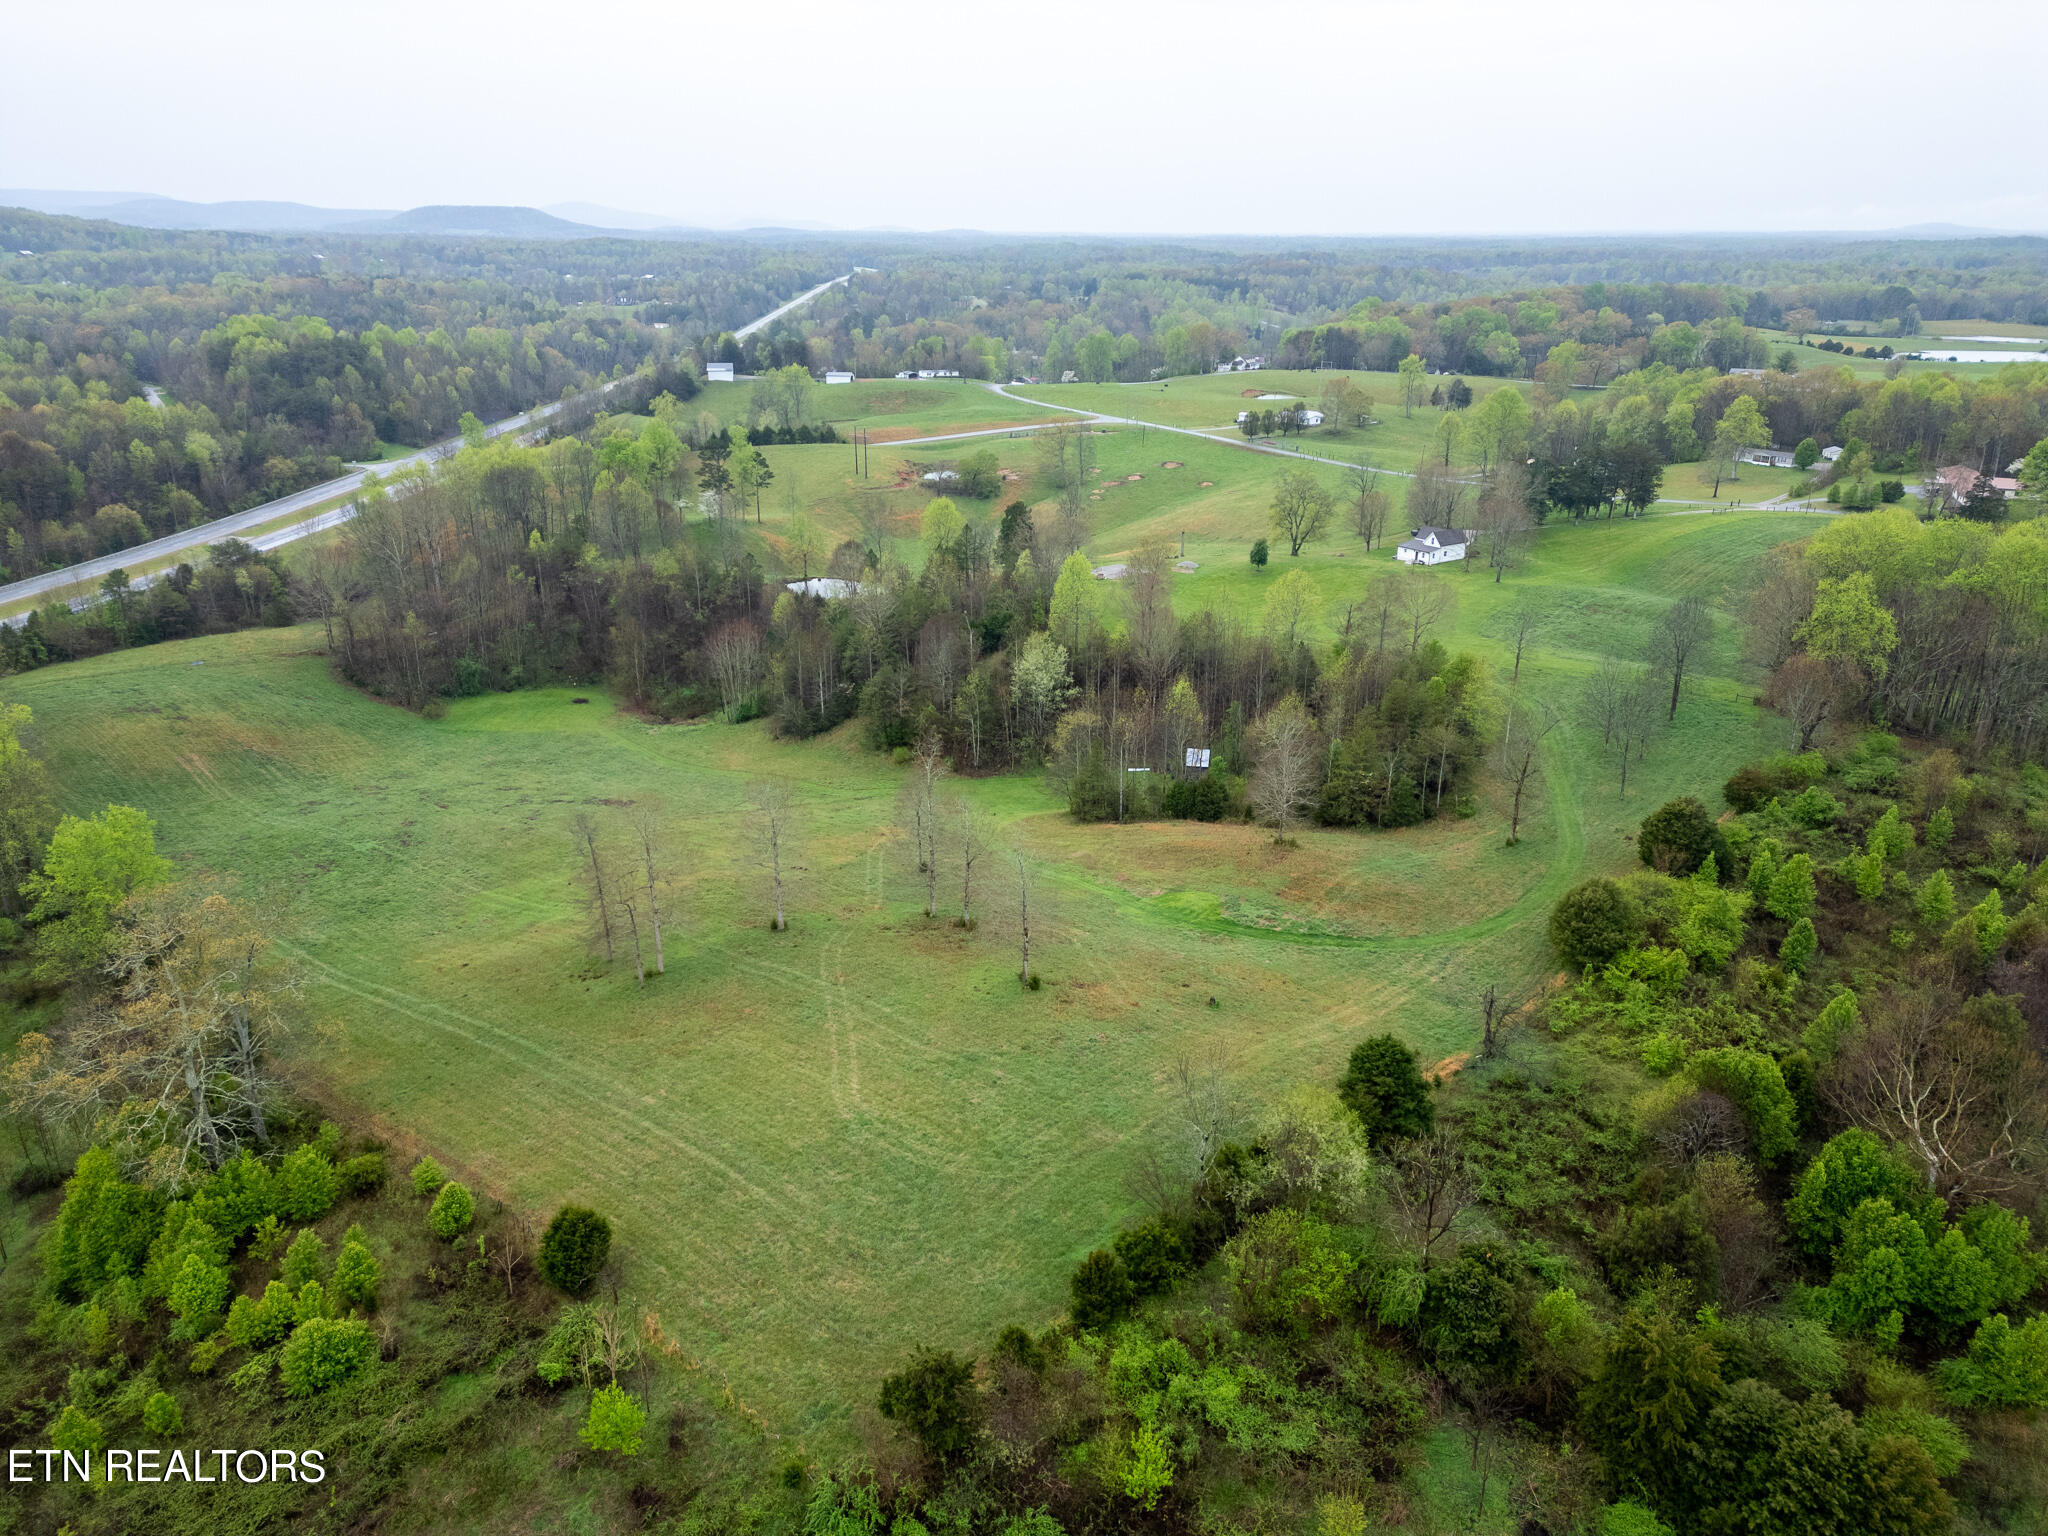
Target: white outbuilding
718 373
1433 546
838 376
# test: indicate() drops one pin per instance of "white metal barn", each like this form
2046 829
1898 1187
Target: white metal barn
838 376
718 373
1433 546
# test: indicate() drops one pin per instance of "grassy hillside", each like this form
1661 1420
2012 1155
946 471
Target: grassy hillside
827 1144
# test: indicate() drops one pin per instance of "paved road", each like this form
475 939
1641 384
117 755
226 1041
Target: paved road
796 303
240 522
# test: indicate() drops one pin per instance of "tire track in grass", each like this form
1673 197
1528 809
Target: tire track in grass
606 1094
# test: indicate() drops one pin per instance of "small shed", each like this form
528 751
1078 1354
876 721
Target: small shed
718 373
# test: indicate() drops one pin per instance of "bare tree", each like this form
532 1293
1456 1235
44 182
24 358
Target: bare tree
927 767
180 1060
1807 690
596 874
629 905
647 833
1636 720
1421 600
738 657
1685 627
1600 700
1284 777
516 1246
1433 1187
1436 496
1520 756
1493 1016
1023 920
1518 629
972 827
1371 506
1503 519
775 839
1967 1103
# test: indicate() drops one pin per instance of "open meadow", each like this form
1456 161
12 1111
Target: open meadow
825 1145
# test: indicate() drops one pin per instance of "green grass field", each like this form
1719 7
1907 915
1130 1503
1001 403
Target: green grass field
887 408
826 1145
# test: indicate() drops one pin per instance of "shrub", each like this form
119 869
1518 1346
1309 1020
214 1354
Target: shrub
453 1210
305 1186
238 1196
1383 1085
197 1296
934 1400
311 1302
1749 789
1645 1240
1753 1083
1286 1272
1468 1312
1944 1444
1102 1290
427 1176
1260 555
1153 1256
1792 893
1941 827
1800 945
574 1248
356 1275
1629 1518
77 1431
323 1353
1016 1345
105 1226
1853 1167
1593 922
2006 1367
254 1324
161 1415
1678 837
305 1260
363 1175
1147 1468
616 1422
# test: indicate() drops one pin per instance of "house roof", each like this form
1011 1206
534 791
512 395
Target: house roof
1416 545
1444 535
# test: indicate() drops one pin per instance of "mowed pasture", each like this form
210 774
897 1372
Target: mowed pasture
824 1146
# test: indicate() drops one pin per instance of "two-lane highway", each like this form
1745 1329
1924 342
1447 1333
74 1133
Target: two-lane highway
238 523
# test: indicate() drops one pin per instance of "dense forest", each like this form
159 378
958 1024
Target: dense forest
150 380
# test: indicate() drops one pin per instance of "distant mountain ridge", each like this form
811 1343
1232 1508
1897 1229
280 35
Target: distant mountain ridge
152 212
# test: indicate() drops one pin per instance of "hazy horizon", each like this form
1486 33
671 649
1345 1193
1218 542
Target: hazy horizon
1145 119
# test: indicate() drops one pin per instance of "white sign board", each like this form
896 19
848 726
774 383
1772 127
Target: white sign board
1198 757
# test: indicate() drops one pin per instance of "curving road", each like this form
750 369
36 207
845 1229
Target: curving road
237 523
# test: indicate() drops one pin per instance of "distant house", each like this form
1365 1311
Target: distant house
1434 546
1241 365
1745 373
1959 483
1769 458
1831 454
838 376
718 373
827 587
1308 418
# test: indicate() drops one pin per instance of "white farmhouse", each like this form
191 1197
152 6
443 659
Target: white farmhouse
1434 546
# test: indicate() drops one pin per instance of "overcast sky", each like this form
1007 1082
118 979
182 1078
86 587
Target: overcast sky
1459 116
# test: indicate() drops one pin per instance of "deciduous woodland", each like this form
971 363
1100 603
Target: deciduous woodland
707 972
